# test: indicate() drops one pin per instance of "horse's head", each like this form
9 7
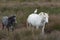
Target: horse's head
44 16
13 18
41 13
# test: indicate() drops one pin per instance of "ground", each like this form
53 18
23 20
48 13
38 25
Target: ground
22 10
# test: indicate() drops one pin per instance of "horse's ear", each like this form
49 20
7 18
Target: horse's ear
47 15
41 13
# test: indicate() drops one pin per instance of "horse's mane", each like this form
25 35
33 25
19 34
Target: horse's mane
11 17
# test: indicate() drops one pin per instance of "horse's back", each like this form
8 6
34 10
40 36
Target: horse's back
5 20
34 19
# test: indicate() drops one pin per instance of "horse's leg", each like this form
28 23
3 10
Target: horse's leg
12 28
7 27
32 28
37 27
43 29
2 26
27 25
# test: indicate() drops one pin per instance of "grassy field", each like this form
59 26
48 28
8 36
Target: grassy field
22 8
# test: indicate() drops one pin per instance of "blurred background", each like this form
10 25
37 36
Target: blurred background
22 8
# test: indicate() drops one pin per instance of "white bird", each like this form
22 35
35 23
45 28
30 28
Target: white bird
38 20
35 11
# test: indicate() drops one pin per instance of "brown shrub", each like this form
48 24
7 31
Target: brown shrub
54 23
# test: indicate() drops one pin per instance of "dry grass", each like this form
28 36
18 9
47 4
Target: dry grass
22 8
28 35
54 23
24 34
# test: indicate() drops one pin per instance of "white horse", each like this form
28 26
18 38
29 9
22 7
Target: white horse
38 20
